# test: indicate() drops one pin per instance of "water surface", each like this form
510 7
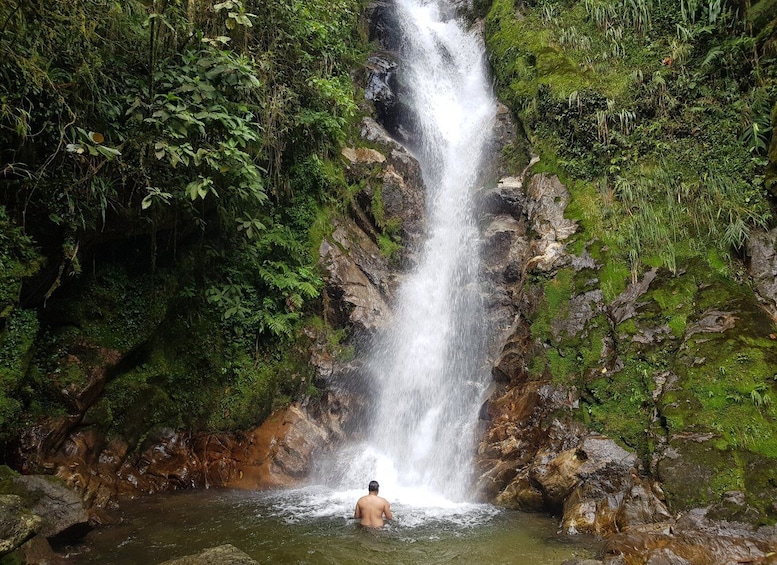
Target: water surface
314 526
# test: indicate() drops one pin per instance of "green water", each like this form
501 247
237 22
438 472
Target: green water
311 527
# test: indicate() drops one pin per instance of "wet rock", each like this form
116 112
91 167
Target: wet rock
510 366
38 551
62 512
222 555
666 557
354 267
695 539
384 27
403 198
533 464
382 86
17 523
394 177
503 134
505 199
167 464
504 247
279 453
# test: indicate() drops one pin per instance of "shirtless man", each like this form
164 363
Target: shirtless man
372 508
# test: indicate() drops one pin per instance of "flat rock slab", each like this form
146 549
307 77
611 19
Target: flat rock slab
222 555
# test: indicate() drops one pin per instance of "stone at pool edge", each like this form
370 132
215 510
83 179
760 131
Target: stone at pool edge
226 554
17 523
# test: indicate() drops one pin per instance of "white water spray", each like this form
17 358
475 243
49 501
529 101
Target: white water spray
427 369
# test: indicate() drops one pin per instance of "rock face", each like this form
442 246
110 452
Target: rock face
693 539
276 454
763 267
566 354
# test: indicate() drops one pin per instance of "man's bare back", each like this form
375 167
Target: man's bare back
372 508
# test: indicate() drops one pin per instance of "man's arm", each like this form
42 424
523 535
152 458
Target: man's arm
387 511
357 513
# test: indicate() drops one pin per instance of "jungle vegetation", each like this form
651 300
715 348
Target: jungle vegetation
168 168
167 163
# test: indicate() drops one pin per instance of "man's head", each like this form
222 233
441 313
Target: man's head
373 486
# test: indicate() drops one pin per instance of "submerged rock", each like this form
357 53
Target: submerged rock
222 555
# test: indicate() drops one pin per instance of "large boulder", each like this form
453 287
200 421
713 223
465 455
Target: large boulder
62 512
279 453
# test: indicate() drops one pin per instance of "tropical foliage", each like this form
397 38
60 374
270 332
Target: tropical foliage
197 132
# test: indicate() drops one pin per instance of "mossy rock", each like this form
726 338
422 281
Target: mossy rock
7 485
695 359
693 473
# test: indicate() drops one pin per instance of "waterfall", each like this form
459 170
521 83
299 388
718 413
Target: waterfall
427 369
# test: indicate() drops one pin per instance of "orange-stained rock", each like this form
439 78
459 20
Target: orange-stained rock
277 453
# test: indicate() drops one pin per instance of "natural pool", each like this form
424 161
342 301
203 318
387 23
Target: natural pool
314 525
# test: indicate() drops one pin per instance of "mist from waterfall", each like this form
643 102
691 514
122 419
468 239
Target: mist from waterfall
427 369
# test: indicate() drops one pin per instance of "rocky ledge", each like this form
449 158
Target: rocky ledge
655 488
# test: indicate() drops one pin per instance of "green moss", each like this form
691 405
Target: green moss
614 279
619 405
537 365
7 475
659 176
557 292
389 248
320 229
16 345
377 209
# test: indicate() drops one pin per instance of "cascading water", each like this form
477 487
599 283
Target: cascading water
427 373
427 368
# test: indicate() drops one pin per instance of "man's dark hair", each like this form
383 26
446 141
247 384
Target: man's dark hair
373 486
